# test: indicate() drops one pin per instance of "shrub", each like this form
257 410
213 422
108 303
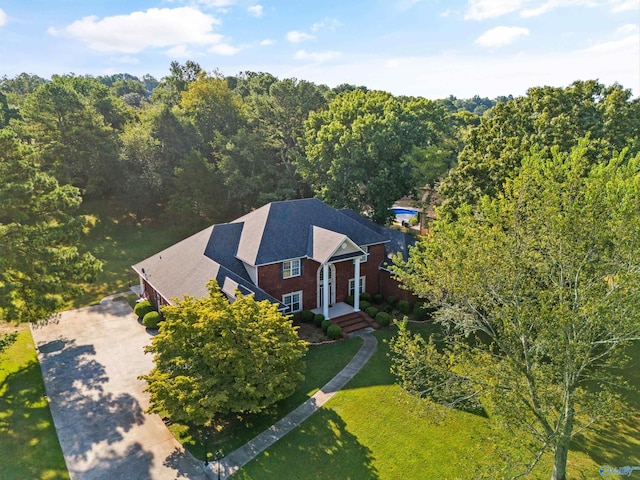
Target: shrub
364 305
383 319
142 308
334 332
349 300
365 296
391 300
325 325
372 312
419 312
306 316
404 306
318 318
151 320
377 298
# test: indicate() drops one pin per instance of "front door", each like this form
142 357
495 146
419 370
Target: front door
332 290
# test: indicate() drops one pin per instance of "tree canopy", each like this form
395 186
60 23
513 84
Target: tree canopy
39 233
546 117
355 150
213 357
538 290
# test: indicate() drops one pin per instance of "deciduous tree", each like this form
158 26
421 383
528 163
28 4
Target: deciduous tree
213 357
539 292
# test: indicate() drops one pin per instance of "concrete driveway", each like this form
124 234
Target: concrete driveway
90 360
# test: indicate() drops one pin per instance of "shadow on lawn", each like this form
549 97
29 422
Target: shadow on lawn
322 447
30 448
85 414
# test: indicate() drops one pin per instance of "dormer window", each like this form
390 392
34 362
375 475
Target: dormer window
291 268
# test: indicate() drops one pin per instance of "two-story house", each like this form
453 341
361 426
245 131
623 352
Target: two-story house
302 254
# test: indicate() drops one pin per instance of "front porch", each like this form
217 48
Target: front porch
349 319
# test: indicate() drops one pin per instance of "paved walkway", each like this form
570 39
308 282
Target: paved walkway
91 359
243 455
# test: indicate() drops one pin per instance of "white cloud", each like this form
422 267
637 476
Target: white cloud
224 49
550 5
127 59
484 9
153 28
317 57
255 10
266 42
628 29
179 51
3 18
216 3
328 23
295 36
624 5
500 36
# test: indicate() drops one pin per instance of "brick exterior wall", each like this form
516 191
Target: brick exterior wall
270 280
389 286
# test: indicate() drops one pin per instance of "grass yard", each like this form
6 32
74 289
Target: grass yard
28 440
323 363
119 241
372 429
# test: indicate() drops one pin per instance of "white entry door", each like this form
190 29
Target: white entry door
332 290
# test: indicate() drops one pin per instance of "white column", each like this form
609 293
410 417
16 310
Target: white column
325 290
356 286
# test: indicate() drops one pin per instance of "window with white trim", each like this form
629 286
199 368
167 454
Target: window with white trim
291 268
352 282
292 302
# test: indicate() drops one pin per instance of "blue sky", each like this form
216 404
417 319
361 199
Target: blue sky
430 48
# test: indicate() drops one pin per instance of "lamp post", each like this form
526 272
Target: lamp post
205 437
218 456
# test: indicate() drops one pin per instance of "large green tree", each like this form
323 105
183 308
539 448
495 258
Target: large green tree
356 149
213 357
39 233
73 124
546 117
538 290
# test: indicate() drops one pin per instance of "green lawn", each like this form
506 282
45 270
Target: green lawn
117 239
372 429
28 442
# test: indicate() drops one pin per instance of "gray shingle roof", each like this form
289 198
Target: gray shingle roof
273 233
280 230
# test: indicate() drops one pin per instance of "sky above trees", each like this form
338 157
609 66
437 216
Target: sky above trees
431 48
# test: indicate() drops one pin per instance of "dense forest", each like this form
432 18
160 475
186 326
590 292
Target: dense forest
196 148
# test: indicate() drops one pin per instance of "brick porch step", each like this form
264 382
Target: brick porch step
353 322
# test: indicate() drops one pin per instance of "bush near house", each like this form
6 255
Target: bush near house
404 306
391 300
383 319
365 296
142 308
306 316
364 305
317 319
325 325
372 311
377 298
151 320
334 331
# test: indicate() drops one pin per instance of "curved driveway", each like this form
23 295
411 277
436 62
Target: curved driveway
90 360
